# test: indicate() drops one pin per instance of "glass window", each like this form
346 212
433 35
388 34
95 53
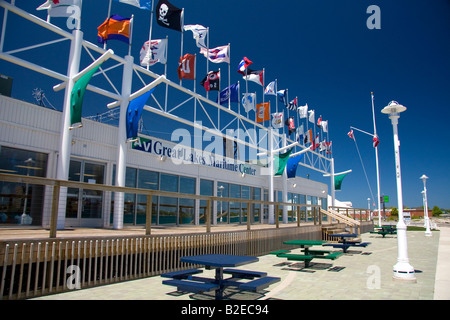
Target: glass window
186 210
146 180
235 207
223 206
256 207
21 203
206 189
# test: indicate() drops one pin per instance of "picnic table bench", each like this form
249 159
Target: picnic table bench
309 257
384 230
191 286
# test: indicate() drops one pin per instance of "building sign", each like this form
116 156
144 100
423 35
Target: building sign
185 155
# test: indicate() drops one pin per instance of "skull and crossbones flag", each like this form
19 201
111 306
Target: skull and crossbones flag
168 16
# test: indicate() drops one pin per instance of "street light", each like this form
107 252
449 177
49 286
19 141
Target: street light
221 187
425 204
402 270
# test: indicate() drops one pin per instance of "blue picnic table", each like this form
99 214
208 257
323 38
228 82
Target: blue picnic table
185 279
345 241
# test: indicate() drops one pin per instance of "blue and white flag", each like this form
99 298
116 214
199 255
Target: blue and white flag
282 96
143 4
249 101
229 93
199 33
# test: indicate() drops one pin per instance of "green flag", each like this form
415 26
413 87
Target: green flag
338 181
280 162
77 94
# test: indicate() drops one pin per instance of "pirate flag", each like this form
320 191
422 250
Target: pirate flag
211 81
168 16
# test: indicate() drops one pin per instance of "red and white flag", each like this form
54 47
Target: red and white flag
376 141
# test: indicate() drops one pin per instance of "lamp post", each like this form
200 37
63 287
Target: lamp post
425 204
221 187
402 270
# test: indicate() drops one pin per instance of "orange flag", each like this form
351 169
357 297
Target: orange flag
262 112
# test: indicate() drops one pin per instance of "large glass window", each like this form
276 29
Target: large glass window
223 206
168 205
187 206
235 207
206 189
21 203
256 207
147 180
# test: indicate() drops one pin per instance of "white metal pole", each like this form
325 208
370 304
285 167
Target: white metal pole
119 197
425 200
376 160
65 142
271 173
284 186
402 270
333 191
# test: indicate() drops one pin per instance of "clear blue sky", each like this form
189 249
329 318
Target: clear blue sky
323 52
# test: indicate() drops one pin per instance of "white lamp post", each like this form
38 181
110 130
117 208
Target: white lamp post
425 204
402 270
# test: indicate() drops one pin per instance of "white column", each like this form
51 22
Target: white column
270 176
402 270
284 186
65 142
121 165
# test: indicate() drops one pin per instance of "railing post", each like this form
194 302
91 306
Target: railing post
248 215
208 215
277 222
298 216
54 213
314 215
148 216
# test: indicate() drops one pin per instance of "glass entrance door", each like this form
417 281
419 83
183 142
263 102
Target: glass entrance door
84 207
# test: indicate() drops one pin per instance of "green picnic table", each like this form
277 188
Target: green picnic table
308 254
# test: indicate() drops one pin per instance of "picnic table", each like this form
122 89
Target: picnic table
308 254
346 240
186 281
386 229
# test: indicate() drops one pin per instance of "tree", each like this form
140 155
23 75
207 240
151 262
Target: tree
436 211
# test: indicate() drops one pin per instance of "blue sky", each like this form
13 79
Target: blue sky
323 52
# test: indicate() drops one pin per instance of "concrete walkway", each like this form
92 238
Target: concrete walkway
361 274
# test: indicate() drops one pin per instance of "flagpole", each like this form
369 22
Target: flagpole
131 35
195 80
107 17
207 58
376 159
229 75
165 71
218 110
182 33
150 39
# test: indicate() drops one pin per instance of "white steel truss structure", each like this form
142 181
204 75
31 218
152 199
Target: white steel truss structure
254 140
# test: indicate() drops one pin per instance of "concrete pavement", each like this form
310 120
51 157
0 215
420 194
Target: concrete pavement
361 274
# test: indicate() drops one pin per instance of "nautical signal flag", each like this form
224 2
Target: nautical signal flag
290 123
155 53
350 134
212 81
218 54
168 16
114 28
58 8
243 65
376 141
142 4
292 165
262 112
255 76
186 67
77 94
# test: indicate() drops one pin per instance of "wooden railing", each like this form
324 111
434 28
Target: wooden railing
58 184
